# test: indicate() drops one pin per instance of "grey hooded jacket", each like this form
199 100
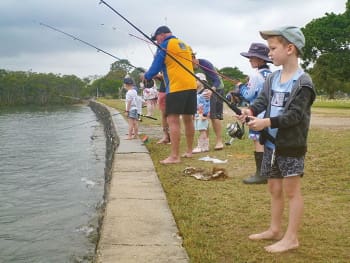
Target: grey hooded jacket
293 124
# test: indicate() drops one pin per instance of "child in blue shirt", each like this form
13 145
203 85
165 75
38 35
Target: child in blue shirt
201 122
258 55
287 97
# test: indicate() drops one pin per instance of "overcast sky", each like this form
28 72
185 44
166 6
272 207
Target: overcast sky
217 30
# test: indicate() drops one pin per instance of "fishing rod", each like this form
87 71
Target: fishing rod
231 105
141 115
148 117
82 123
84 42
196 63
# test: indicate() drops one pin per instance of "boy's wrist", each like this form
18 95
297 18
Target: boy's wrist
267 122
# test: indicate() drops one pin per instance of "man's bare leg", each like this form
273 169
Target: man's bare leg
217 127
175 133
189 133
166 136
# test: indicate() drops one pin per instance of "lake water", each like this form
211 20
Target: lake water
51 183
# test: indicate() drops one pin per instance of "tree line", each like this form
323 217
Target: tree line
23 88
326 57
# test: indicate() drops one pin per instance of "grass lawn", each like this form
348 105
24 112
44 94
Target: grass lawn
215 217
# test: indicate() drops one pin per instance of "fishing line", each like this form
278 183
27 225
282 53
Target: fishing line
82 123
70 97
130 35
84 42
200 66
145 40
98 49
121 111
114 28
231 105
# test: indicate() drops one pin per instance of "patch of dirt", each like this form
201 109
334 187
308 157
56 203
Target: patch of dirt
321 121
318 120
152 131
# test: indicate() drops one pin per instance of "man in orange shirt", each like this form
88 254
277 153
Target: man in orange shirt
181 99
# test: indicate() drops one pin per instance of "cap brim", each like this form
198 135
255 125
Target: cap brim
249 55
268 33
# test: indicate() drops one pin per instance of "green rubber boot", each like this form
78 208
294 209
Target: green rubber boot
256 178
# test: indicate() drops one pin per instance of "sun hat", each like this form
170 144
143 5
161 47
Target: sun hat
258 50
128 81
293 34
160 30
201 76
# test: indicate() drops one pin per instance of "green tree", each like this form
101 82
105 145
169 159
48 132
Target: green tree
327 52
23 88
111 84
231 76
122 67
106 87
135 74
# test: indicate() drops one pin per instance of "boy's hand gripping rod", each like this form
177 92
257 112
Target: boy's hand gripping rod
206 85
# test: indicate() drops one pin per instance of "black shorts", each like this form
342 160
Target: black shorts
216 105
181 102
278 167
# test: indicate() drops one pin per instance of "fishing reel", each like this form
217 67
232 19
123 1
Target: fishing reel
234 130
148 83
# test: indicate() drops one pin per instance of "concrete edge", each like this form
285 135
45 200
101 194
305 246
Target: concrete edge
137 224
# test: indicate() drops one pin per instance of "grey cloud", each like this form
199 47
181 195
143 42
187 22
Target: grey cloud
219 29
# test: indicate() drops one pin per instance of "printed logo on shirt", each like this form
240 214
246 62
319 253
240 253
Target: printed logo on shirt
279 99
265 73
182 46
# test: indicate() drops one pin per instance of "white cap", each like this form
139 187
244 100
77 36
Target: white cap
201 76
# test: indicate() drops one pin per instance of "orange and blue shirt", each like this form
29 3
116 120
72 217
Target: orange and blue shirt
175 76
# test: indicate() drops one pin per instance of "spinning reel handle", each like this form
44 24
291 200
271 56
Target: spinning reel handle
238 111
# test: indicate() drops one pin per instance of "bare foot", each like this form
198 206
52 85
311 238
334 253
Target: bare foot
164 141
187 155
282 246
129 138
268 234
219 147
170 160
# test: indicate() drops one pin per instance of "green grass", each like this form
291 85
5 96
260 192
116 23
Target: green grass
334 104
215 217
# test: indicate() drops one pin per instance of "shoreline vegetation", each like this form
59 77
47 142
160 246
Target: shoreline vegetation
215 217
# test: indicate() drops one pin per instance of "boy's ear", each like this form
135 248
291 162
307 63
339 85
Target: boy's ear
292 49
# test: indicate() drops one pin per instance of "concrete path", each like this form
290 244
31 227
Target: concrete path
138 225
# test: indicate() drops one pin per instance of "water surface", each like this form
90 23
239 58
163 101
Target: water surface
51 181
